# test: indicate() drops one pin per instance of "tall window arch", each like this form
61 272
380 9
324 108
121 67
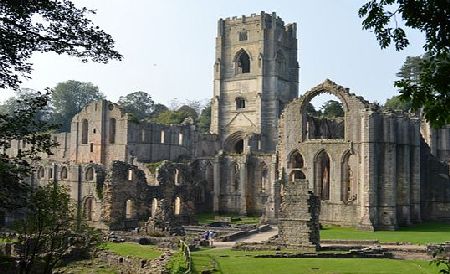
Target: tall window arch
63 173
89 208
177 206
296 163
90 174
322 171
41 172
112 130
129 209
242 62
84 131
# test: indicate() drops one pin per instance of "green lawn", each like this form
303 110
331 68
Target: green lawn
134 250
418 234
235 262
206 218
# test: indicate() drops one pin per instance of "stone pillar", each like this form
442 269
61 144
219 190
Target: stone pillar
243 186
415 174
388 201
367 195
216 192
270 205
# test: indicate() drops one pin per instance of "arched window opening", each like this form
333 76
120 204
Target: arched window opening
324 116
297 175
112 130
177 206
84 131
240 103
129 209
295 160
281 63
348 180
235 176
243 62
180 138
89 209
323 175
50 173
63 173
200 195
239 147
90 174
162 137
177 177
130 175
264 178
41 173
154 206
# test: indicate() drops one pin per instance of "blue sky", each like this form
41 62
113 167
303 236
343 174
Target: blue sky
168 48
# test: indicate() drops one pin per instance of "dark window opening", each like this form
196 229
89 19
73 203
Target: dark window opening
84 131
240 103
243 36
239 147
112 131
297 175
92 147
243 63
64 173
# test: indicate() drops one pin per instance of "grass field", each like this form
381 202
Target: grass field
206 218
134 250
418 234
235 262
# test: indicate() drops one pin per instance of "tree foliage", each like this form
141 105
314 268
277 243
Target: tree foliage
50 230
140 104
34 138
204 120
432 89
29 26
175 116
20 101
395 103
332 109
69 98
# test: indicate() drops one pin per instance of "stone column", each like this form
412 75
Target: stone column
270 205
243 186
216 192
415 174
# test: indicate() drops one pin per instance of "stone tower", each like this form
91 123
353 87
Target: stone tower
255 76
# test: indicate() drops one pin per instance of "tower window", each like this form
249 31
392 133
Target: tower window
243 62
112 131
243 36
240 103
84 131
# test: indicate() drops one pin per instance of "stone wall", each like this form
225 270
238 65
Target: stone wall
299 216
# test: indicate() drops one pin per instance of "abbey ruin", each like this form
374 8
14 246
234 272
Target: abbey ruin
373 169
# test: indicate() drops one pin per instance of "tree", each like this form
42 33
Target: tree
157 109
69 98
50 230
21 125
140 104
204 121
332 109
395 103
311 110
432 90
175 117
37 26
19 101
61 28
